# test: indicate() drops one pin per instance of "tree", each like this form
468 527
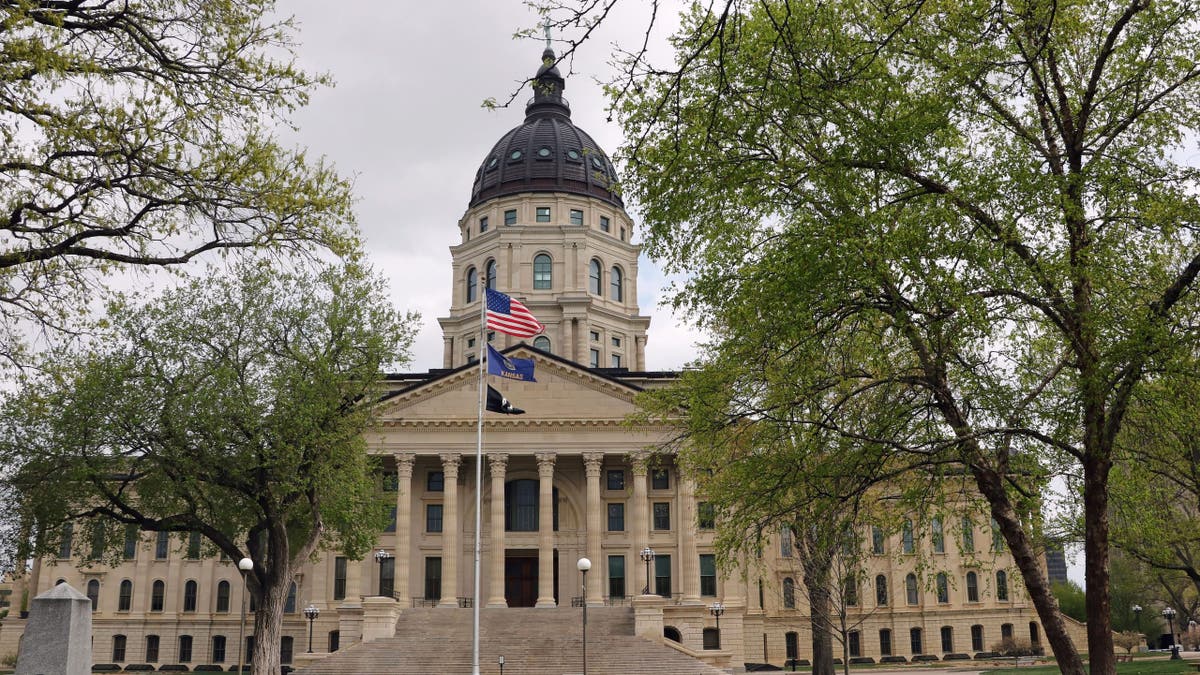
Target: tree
234 408
139 134
978 207
1070 599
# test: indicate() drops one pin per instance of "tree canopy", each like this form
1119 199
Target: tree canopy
976 210
233 407
140 133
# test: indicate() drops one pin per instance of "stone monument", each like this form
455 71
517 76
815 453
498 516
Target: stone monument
58 637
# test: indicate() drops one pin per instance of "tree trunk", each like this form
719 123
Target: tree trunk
268 622
817 565
1096 576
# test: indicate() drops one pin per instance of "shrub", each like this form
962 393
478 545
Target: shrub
1129 641
1014 647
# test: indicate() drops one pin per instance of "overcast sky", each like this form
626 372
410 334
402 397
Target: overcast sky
405 121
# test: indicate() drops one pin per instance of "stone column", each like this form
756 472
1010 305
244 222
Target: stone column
451 551
499 463
690 564
639 529
545 462
595 527
404 472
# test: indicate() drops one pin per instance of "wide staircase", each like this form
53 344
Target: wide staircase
545 641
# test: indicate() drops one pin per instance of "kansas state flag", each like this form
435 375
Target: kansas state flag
510 369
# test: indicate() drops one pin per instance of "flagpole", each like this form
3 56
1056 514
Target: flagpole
478 481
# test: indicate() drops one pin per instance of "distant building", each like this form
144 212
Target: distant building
1056 565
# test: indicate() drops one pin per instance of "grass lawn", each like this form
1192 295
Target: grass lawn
1136 667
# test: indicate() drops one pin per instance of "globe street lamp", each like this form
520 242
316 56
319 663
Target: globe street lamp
647 557
717 609
380 556
583 566
1137 618
244 566
1169 615
311 613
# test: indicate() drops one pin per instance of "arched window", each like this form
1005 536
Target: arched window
712 638
118 652
189 596
947 639
542 342
289 606
541 272
472 283
1034 636
943 588
489 276
594 277
157 592
616 285
223 596
972 587
93 593
977 638
910 588
125 597
906 535
672 633
1001 585
881 591
789 593
791 641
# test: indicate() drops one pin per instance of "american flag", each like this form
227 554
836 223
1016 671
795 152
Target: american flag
510 316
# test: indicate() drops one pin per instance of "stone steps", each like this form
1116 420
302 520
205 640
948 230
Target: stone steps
545 641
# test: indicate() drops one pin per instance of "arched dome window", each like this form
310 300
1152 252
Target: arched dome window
542 342
490 275
541 272
617 287
594 277
472 283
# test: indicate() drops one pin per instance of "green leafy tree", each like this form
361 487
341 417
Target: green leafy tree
233 407
1070 599
139 133
977 208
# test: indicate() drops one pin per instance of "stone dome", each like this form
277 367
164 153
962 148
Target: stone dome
547 152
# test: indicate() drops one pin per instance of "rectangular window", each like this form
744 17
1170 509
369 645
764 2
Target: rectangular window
433 578
622 234
977 638
576 217
937 535
435 481
387 577
615 361
877 540
193 549
483 225
433 517
604 224
64 545
616 517
616 342
616 479
161 545
968 534
131 542
339 578
662 575
185 648
594 358
708 575
662 515
660 479
543 214
470 343
616 576
218 649
595 335
855 644
885 642
997 537
706 516
947 639
914 636
510 217
785 542
391 524
151 648
118 653
391 481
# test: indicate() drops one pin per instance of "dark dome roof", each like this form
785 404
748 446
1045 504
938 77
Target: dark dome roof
547 153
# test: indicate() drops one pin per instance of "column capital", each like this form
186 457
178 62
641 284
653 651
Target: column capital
451 462
498 462
592 462
640 462
404 463
545 462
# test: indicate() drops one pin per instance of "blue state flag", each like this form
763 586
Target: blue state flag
509 368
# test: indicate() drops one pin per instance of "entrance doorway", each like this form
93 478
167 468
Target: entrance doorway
521 578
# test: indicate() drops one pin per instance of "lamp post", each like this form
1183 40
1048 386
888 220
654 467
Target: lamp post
583 566
1169 615
244 566
717 609
311 613
647 557
380 556
501 662
1137 618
